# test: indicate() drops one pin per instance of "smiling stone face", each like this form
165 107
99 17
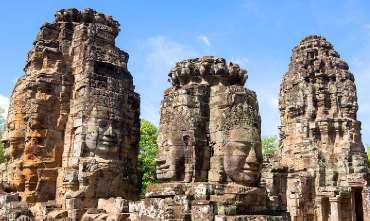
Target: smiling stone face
15 128
210 125
103 130
34 130
183 153
103 136
169 163
170 156
13 138
243 157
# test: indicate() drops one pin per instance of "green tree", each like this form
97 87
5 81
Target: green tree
147 155
269 145
368 151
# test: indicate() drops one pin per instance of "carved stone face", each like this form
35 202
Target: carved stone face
13 138
17 181
243 158
170 157
70 179
103 136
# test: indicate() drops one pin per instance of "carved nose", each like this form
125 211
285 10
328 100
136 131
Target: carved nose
252 156
109 132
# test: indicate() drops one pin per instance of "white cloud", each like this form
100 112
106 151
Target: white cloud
274 102
269 105
253 7
150 113
15 80
360 68
204 39
164 53
4 103
157 56
241 61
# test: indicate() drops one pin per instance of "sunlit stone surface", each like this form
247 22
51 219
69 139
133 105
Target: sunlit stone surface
320 136
73 126
209 159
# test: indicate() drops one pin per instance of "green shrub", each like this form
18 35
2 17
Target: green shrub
269 145
147 155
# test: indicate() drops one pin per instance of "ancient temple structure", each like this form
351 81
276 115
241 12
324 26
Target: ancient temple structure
320 137
72 133
209 159
73 125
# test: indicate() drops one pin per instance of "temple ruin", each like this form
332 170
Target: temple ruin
73 125
320 139
73 128
209 148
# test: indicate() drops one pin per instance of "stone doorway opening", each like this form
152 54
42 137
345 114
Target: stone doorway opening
358 204
325 209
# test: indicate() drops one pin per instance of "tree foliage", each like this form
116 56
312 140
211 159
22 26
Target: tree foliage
368 151
147 155
269 145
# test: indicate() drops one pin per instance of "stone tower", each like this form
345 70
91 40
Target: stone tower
209 148
320 136
73 125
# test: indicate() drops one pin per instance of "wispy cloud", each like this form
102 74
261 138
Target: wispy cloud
361 70
269 105
241 61
253 7
366 28
274 102
4 104
158 55
204 39
164 53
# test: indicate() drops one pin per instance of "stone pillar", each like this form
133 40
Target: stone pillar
366 203
353 206
335 209
319 209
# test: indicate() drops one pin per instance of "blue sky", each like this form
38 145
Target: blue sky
259 35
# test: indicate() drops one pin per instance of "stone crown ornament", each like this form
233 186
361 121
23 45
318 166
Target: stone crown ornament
207 70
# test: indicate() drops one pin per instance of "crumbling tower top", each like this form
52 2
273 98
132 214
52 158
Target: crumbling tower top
87 15
207 70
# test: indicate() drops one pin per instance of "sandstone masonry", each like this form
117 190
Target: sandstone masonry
320 138
73 124
72 133
210 157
